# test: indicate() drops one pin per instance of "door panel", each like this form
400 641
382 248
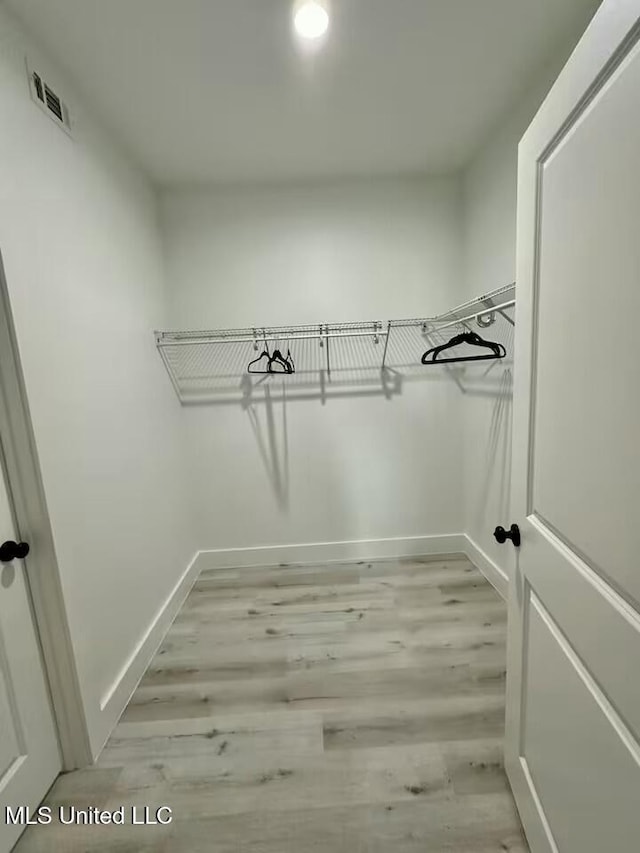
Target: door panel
573 695
587 355
582 815
591 614
9 731
29 755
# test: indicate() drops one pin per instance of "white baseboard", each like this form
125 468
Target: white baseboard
333 552
490 569
117 696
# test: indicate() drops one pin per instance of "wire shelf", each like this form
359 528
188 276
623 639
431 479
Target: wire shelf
210 364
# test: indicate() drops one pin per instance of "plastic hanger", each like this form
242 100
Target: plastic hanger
289 361
497 350
276 363
278 358
264 354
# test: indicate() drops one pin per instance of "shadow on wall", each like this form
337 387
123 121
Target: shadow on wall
346 368
272 438
492 387
496 470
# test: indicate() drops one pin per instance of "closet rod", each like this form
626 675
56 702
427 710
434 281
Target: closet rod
489 303
293 336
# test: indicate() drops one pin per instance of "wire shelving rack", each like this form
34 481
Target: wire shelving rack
202 362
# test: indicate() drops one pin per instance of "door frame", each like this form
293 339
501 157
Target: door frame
32 523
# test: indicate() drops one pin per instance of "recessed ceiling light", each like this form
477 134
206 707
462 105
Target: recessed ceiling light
311 19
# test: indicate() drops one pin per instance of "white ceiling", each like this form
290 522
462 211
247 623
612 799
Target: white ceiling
218 90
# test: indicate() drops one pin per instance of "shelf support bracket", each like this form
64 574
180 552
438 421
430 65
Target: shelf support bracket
386 347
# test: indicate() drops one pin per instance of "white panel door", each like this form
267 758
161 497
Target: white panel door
573 692
29 754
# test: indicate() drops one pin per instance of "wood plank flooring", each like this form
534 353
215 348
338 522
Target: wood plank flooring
313 709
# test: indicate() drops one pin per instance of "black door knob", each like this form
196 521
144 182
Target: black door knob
513 533
10 550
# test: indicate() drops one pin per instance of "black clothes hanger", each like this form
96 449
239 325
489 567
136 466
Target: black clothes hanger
285 363
276 363
289 361
264 354
497 350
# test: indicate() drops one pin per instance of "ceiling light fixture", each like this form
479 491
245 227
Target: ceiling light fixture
311 18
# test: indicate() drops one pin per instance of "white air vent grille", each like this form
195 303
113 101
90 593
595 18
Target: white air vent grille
54 103
48 100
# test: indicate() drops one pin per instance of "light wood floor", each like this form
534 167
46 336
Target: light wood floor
328 709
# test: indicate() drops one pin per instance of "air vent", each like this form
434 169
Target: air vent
37 82
54 103
48 100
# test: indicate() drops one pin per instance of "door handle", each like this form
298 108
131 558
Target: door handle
9 550
501 535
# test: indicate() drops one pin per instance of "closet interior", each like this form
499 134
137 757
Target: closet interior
269 552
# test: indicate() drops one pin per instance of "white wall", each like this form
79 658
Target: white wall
489 256
360 467
82 256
